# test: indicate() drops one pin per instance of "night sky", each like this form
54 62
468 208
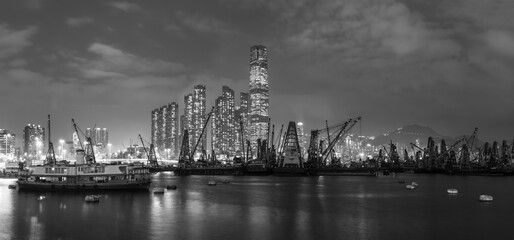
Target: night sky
445 64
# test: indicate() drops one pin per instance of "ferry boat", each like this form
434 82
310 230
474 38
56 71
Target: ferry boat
84 174
93 176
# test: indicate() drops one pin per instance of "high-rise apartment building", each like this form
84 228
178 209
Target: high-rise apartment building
188 117
99 136
199 116
165 130
34 140
224 122
244 103
7 144
259 93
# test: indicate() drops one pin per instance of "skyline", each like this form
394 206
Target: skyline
110 63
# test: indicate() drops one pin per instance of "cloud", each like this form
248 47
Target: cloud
79 21
14 41
126 7
500 41
201 23
366 28
110 62
33 4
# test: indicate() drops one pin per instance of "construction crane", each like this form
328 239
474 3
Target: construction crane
152 159
345 128
91 156
201 134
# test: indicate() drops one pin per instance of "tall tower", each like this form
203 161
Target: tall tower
199 117
187 123
259 93
244 104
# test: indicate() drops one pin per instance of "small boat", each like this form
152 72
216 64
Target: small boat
92 198
211 183
226 181
401 181
12 186
452 191
410 187
415 184
41 197
172 187
158 191
485 198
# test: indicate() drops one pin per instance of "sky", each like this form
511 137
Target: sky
443 64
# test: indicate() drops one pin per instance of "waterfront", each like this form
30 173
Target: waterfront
269 208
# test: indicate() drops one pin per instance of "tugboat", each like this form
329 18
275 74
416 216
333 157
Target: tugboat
85 174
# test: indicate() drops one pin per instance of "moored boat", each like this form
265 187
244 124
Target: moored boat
92 198
158 191
485 198
212 183
452 191
411 187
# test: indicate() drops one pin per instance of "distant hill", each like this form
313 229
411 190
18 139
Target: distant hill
415 133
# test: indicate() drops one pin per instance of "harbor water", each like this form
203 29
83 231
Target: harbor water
268 207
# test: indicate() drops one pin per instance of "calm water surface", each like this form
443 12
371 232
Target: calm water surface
269 208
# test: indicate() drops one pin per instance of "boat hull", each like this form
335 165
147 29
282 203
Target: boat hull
140 185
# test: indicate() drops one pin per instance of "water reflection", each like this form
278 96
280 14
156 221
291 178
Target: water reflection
263 208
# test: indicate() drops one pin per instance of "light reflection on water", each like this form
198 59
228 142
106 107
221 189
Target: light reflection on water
267 208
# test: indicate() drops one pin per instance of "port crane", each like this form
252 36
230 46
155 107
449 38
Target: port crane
90 158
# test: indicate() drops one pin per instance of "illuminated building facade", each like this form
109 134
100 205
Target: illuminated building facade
7 144
244 103
188 117
165 130
259 94
99 136
199 116
224 131
34 140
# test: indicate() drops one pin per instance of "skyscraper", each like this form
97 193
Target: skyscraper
199 117
33 139
259 93
224 123
165 129
7 143
244 103
188 117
